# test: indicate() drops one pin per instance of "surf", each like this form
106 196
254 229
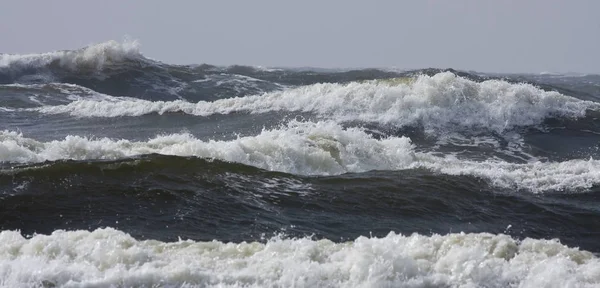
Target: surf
108 257
311 148
439 103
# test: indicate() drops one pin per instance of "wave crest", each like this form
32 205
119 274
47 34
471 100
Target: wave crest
306 148
93 57
438 103
323 148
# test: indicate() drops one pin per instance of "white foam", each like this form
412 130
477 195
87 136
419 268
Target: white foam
91 57
117 107
322 148
439 103
267 69
111 258
536 176
238 83
305 148
224 78
42 94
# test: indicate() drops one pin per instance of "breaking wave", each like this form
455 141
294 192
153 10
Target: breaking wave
307 148
93 57
108 257
438 103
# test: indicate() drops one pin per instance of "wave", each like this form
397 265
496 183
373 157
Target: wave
36 95
111 68
118 69
147 163
108 257
438 103
323 148
93 57
307 148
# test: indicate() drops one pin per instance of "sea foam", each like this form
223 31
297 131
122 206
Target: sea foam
111 258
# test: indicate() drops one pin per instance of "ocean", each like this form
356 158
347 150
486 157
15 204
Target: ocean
117 170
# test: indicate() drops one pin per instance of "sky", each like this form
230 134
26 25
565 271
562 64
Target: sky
482 35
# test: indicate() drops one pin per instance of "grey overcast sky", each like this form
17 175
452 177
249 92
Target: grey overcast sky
482 35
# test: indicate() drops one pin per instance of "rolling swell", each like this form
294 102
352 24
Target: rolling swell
116 69
435 102
308 148
120 69
161 197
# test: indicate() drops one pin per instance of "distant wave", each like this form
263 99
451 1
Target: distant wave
108 257
439 103
120 69
111 67
117 69
306 148
93 57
